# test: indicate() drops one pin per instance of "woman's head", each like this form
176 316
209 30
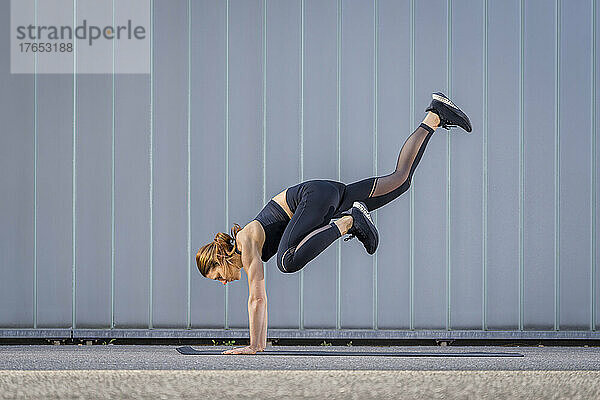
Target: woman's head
218 260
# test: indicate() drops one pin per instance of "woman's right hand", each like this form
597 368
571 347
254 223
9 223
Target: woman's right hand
243 350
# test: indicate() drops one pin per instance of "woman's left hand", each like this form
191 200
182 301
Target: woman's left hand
242 350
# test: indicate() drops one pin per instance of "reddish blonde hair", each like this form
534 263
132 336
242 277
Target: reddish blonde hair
218 252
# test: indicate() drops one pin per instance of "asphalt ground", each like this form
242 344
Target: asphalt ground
137 357
160 372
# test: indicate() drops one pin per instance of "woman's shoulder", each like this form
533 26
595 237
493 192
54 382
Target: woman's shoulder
252 235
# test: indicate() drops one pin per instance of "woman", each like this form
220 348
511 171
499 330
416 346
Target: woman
296 224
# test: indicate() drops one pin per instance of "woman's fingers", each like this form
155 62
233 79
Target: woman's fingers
241 350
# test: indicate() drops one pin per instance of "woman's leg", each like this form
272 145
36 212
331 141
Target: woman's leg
309 232
378 191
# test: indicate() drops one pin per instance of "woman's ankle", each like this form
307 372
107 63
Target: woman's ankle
432 120
344 224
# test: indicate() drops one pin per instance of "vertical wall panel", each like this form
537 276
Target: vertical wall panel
429 181
245 130
55 189
170 263
208 152
93 213
394 126
132 180
17 183
539 166
132 183
597 163
356 152
282 140
320 147
575 167
466 167
503 165
55 132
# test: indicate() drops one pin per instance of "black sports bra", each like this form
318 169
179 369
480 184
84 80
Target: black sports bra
273 219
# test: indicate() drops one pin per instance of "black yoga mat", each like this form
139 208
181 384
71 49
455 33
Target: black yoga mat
188 350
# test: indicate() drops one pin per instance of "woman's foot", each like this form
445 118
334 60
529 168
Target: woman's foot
344 224
363 227
450 114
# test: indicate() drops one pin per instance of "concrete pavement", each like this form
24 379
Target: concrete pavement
167 358
159 372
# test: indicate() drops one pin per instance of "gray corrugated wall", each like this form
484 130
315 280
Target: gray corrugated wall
110 184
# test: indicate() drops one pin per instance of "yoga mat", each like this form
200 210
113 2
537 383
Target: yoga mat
188 350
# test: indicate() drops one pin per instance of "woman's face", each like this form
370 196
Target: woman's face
225 274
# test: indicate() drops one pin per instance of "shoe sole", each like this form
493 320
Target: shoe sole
444 100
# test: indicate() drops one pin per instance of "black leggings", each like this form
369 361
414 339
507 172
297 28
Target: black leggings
315 203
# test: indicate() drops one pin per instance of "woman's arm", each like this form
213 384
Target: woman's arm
257 315
263 333
257 312
257 300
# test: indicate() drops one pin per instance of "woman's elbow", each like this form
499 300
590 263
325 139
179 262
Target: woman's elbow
257 300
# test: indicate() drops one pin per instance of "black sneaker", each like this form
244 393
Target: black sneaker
363 227
449 113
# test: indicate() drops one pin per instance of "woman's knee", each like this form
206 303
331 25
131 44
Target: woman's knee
286 262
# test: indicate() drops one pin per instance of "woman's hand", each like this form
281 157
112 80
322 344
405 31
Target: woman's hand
243 350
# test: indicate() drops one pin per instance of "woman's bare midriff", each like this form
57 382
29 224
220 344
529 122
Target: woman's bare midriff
280 199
